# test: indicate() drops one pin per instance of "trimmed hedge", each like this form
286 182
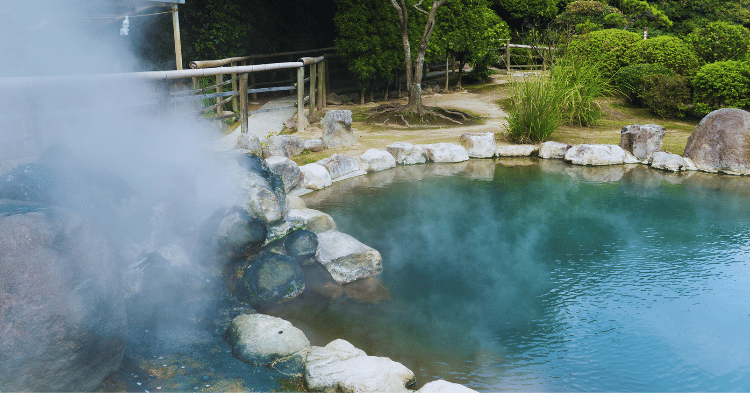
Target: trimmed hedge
628 79
720 41
606 48
722 84
665 95
668 51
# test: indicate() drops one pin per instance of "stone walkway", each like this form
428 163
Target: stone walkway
261 124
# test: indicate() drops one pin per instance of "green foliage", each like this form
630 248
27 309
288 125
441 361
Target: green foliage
606 48
666 95
470 31
641 13
590 15
722 84
628 79
668 51
215 29
720 41
581 84
688 15
527 9
368 38
534 112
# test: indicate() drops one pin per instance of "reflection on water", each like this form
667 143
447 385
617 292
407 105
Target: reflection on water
546 276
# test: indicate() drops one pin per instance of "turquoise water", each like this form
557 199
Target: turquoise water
548 276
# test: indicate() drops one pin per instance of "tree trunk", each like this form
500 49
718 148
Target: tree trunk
362 96
461 64
415 70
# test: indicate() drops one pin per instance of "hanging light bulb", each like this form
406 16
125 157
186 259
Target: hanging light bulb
125 29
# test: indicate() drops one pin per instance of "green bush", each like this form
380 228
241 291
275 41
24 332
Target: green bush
628 79
720 41
534 112
722 84
607 48
589 15
668 51
665 95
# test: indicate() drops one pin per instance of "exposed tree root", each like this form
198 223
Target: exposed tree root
405 117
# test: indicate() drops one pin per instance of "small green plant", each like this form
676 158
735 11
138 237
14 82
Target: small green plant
666 95
534 112
579 85
628 79
722 84
720 41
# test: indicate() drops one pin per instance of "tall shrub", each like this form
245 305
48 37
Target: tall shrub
666 96
668 51
628 79
720 41
722 84
607 48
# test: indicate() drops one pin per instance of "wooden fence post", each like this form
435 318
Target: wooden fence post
313 86
321 86
300 98
326 82
243 103
234 88
252 80
219 109
507 56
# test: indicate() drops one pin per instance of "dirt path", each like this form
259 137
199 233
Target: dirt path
379 136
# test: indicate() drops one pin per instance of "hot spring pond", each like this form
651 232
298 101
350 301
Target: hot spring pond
537 275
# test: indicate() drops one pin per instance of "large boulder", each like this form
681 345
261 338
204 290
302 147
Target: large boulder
446 152
551 149
314 220
407 154
721 142
515 150
231 233
346 258
340 367
586 154
250 143
266 278
264 189
62 313
284 145
340 165
337 129
315 176
642 140
263 340
287 169
479 145
376 160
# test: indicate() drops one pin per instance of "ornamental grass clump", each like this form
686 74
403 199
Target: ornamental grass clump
534 112
580 84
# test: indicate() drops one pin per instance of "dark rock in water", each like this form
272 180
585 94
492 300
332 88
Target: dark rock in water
266 278
301 244
232 233
62 314
28 182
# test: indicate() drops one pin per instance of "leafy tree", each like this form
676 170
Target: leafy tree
415 64
468 30
690 14
640 13
214 29
368 40
590 15
520 10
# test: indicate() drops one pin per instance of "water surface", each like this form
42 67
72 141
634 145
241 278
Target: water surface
545 276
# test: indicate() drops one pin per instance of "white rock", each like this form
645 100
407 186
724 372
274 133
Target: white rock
515 150
314 177
314 221
690 165
337 128
283 145
407 154
262 203
441 386
340 165
668 161
340 367
479 145
446 152
376 160
315 144
552 149
249 142
295 202
586 154
262 339
287 169
346 258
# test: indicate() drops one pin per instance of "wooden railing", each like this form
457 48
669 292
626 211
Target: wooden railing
532 52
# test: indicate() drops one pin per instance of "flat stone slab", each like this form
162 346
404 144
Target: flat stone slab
314 220
552 149
515 150
446 152
479 145
376 160
587 154
670 162
314 176
346 258
340 367
339 165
